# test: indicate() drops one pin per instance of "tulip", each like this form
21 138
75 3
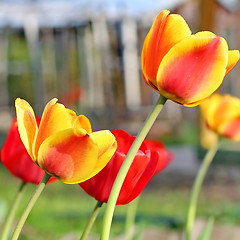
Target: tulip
64 144
151 158
184 67
221 114
16 159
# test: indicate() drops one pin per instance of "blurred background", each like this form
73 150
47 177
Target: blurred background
87 53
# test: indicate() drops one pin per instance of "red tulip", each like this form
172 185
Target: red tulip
15 158
151 158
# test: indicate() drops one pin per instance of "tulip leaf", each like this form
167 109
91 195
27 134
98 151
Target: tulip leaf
206 233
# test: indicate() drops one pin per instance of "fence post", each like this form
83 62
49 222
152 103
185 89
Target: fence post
131 63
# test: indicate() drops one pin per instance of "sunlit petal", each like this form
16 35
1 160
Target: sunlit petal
55 118
27 125
82 122
193 69
162 36
233 57
69 155
107 146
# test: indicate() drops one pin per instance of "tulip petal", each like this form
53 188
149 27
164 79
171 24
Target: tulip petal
219 110
208 110
55 118
107 146
100 185
164 157
193 69
162 36
143 177
69 155
82 122
27 125
231 130
124 140
233 57
222 115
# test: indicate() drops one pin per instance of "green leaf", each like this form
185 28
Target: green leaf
205 235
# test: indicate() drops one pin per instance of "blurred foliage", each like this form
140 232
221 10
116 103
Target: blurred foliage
64 209
186 133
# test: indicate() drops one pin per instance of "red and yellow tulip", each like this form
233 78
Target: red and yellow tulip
64 145
221 114
184 67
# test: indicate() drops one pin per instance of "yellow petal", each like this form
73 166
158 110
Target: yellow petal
222 114
82 122
233 57
193 69
27 125
166 31
55 118
209 109
107 146
69 155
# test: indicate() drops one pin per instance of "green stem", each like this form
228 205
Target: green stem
11 214
130 219
197 187
30 205
107 220
91 220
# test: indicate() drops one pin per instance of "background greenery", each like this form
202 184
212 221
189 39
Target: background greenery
64 209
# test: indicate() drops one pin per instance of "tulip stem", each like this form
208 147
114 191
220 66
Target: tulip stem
12 212
130 219
91 220
197 187
30 205
107 220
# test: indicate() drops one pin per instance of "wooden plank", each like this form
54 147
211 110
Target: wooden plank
4 94
31 30
131 63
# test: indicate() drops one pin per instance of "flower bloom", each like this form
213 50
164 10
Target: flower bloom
184 67
15 158
221 113
64 145
151 158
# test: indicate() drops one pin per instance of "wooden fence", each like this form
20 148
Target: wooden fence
93 66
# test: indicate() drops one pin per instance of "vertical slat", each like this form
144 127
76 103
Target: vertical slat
102 43
31 30
207 8
97 38
49 63
88 43
131 63
82 66
4 94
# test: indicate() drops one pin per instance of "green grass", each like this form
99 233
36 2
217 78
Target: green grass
63 209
